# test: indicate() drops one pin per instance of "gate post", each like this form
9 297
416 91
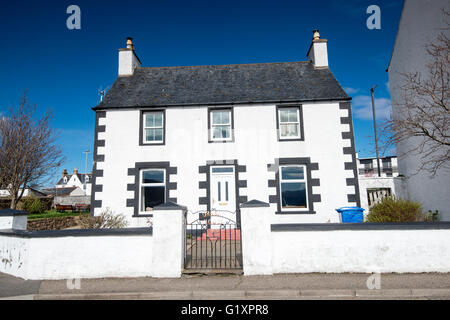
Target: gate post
168 240
256 238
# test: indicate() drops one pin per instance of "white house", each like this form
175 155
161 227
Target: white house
215 136
79 180
373 186
420 23
28 192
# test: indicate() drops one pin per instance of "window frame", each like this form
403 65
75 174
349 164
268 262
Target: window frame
304 180
210 125
299 109
142 127
156 184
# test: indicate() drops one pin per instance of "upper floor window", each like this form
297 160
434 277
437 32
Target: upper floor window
153 127
221 125
289 123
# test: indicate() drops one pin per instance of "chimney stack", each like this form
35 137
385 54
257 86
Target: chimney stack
64 173
318 52
75 171
128 60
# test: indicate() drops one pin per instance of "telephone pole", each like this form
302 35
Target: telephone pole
85 168
375 129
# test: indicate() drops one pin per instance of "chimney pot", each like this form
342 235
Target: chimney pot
130 43
316 35
75 171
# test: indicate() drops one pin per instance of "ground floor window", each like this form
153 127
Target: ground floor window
152 188
293 188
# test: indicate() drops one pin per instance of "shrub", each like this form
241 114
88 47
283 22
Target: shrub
391 209
32 205
106 220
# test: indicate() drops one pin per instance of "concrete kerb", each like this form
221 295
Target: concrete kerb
249 294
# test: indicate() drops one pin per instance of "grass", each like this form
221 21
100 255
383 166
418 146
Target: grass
54 214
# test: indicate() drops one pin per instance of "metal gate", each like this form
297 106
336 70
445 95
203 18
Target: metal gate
212 241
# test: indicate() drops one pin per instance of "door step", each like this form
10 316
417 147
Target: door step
211 272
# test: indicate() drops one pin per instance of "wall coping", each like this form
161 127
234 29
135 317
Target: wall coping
76 233
254 204
360 226
12 213
170 206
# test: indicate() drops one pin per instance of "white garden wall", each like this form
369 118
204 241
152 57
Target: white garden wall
69 257
337 247
361 251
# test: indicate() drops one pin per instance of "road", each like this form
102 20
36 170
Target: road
280 286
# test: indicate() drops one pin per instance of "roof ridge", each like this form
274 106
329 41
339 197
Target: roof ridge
222 65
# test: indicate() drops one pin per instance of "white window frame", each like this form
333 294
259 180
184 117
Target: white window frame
144 127
230 124
142 185
304 180
298 136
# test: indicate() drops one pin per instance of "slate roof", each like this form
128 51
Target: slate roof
81 177
64 191
223 84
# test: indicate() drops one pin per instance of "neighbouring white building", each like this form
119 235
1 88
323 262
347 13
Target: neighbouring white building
215 136
82 181
28 192
420 23
373 186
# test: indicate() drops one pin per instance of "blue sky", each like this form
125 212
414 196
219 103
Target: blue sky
63 69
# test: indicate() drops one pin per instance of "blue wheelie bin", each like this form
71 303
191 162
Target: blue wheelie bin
351 214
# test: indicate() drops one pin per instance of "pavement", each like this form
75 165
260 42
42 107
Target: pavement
231 286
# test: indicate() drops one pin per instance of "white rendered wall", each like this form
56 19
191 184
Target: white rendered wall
76 257
319 54
361 251
256 241
18 222
127 62
421 22
255 146
168 243
397 186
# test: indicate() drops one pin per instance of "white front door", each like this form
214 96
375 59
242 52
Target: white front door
223 195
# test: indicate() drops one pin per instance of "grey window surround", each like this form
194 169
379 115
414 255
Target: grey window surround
134 202
300 113
210 109
142 112
310 183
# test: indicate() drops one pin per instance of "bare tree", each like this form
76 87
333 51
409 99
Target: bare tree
425 110
28 152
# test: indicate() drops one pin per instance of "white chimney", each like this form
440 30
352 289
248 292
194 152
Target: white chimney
128 60
318 52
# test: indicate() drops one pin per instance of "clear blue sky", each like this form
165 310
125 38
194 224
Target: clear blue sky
63 69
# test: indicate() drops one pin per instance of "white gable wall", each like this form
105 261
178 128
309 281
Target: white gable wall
255 146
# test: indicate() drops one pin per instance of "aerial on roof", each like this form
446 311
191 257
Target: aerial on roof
223 84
